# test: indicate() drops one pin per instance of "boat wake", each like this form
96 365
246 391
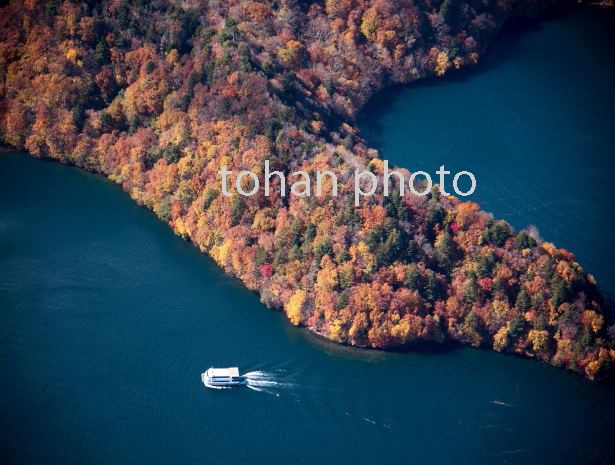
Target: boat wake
263 381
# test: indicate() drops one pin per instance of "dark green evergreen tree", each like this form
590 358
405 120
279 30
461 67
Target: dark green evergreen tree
497 233
171 153
209 197
261 257
560 290
523 301
435 215
471 322
51 7
323 248
411 280
373 238
295 230
163 209
444 250
295 253
329 86
471 292
342 256
586 338
345 278
453 49
278 259
133 124
449 9
391 249
524 241
517 326
411 253
123 16
237 209
150 36
485 265
102 53
310 232
79 117
432 287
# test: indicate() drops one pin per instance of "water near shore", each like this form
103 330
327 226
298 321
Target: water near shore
107 319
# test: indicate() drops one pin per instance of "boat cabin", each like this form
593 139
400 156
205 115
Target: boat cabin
221 376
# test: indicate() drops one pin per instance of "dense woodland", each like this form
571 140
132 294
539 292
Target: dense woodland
159 95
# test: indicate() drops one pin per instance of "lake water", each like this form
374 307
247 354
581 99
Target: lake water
107 319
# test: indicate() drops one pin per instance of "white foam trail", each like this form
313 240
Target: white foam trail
255 388
263 381
257 374
262 390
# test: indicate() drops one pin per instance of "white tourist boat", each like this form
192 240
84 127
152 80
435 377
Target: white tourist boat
221 377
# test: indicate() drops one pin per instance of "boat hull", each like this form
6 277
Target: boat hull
209 381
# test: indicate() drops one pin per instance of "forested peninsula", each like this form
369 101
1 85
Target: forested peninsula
158 95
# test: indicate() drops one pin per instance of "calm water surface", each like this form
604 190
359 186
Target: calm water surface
107 319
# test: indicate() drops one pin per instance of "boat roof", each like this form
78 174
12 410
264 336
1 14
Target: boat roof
233 371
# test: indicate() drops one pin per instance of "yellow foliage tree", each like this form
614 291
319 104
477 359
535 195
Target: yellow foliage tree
359 325
224 252
593 320
292 53
326 279
442 63
501 308
369 25
295 306
538 339
334 8
262 221
401 330
565 271
173 56
551 250
71 55
335 331
500 340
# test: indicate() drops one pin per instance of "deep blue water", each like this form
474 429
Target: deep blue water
107 319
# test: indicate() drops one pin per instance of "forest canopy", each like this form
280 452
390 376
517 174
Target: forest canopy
159 95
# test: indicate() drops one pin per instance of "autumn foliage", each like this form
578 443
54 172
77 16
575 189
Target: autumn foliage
159 95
